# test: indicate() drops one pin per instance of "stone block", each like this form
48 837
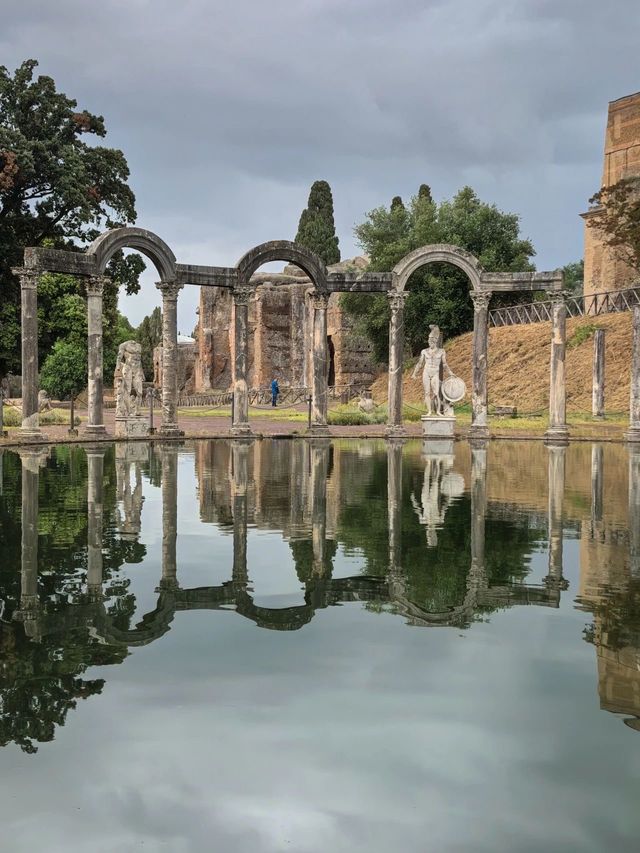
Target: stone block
131 427
438 426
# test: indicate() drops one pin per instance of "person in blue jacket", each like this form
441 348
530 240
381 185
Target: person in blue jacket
275 390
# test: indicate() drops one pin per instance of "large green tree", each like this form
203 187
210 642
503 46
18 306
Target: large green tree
149 336
56 189
317 229
438 293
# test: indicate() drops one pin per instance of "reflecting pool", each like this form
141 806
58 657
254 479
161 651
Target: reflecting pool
314 646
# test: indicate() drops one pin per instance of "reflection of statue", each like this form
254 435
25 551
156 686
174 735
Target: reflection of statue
433 362
441 486
128 379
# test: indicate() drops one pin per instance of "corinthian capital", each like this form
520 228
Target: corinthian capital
96 284
169 289
28 277
242 294
319 299
396 299
481 299
557 297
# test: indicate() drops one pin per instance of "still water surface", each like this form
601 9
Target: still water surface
313 647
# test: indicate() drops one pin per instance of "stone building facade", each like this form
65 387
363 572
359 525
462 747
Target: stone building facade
280 335
185 366
604 269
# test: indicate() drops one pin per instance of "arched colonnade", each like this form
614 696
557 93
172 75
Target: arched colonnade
92 263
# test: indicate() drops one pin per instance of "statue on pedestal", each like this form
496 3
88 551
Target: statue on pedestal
433 362
128 380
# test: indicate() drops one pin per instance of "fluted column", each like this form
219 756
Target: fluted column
319 452
396 351
169 456
634 509
29 330
239 483
557 455
477 575
319 389
241 297
633 433
169 291
95 290
95 476
480 366
558 430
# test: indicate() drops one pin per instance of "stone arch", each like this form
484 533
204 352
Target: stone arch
106 245
282 250
435 254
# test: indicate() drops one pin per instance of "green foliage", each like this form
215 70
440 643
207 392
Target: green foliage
149 336
316 229
64 372
55 189
582 334
616 215
574 277
352 416
437 293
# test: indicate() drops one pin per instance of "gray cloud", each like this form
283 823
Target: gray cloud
228 111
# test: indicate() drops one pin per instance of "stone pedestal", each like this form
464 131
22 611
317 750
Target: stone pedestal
439 426
132 427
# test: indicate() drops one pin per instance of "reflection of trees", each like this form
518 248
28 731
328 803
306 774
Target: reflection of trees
41 682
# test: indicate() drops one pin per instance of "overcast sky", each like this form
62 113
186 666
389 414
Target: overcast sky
227 111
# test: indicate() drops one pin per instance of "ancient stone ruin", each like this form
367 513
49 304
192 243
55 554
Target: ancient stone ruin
128 384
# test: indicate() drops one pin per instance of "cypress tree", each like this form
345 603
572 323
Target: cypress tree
396 203
316 229
425 192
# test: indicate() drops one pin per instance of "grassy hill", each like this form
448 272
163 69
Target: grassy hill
519 365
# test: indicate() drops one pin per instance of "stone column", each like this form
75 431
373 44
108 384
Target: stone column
556 494
394 508
477 574
239 482
241 297
31 460
169 456
95 290
634 509
479 397
95 476
396 352
558 430
597 400
170 290
319 451
29 330
633 433
319 388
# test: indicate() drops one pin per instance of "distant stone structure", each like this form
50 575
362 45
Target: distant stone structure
280 334
604 269
185 366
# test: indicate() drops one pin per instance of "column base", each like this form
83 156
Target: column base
318 431
632 435
479 432
27 435
95 429
395 431
171 431
557 435
168 585
241 431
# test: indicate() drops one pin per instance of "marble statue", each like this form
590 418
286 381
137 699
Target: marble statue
432 362
128 379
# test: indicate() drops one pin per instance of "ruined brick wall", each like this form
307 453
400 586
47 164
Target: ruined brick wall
604 269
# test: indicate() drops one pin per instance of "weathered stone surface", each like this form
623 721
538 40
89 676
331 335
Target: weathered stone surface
479 395
29 321
633 433
597 403
241 297
186 352
558 430
396 351
169 291
128 380
438 426
134 426
95 290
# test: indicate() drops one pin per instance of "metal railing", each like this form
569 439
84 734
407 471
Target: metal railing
290 396
607 302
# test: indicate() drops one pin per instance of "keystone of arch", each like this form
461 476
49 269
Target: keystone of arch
436 254
107 244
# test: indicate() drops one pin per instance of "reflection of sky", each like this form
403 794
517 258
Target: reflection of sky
352 734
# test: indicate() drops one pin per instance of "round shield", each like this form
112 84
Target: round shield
453 389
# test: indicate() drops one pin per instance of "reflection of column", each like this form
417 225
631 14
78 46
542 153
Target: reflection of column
95 290
239 462
169 578
394 506
597 482
29 331
31 460
319 451
319 390
558 430
95 474
633 433
297 460
556 495
479 395
241 297
396 351
477 575
634 509
169 290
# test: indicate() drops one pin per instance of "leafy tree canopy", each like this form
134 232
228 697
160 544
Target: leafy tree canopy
438 293
316 229
616 214
56 189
